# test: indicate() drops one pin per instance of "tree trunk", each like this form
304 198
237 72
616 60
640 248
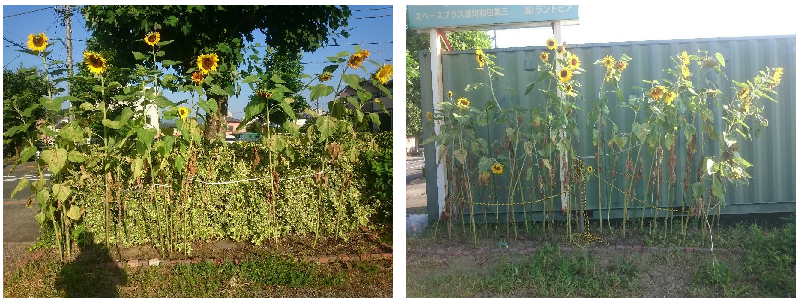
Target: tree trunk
215 122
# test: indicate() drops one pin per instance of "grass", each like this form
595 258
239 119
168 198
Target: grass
263 277
763 267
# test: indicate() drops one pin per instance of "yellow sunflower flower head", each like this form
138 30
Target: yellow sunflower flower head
574 62
429 116
37 42
497 168
450 94
463 103
777 75
544 57
325 76
609 75
657 92
207 63
565 74
384 74
480 58
685 71
560 50
197 77
621 65
685 59
744 93
669 96
96 63
153 38
357 59
589 169
609 61
183 112
550 43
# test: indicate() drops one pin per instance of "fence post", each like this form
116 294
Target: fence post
436 89
563 160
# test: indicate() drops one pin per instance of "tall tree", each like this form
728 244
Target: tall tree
416 42
22 89
224 30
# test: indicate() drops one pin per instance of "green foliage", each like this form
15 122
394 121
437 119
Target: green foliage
22 89
770 258
379 173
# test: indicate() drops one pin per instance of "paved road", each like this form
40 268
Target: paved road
19 224
11 179
414 168
415 186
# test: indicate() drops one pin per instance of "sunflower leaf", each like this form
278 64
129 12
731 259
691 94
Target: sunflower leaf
139 56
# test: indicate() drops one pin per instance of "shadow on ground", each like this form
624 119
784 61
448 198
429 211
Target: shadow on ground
81 278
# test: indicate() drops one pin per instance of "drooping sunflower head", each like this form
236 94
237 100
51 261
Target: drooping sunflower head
153 38
685 71
574 62
609 75
550 43
609 61
450 94
429 116
669 96
544 57
565 74
197 77
96 63
384 74
589 169
744 93
497 168
37 42
685 59
357 59
463 103
657 92
183 112
207 63
560 50
325 76
480 57
621 65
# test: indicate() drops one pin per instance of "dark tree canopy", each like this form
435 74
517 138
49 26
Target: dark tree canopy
22 89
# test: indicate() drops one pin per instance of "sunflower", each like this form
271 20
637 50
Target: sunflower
197 77
669 96
384 74
610 73
685 59
357 59
621 65
463 103
565 74
550 43
657 92
95 62
378 101
685 71
450 94
777 75
183 112
325 76
609 61
497 168
568 89
574 62
37 42
153 38
207 63
744 93
544 57
560 50
747 105
480 57
429 116
589 169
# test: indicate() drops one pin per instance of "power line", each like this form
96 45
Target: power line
329 62
12 60
21 46
371 9
371 17
25 13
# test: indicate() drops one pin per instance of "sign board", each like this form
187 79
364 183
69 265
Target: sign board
422 17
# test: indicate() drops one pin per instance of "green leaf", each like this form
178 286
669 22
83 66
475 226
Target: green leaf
50 104
74 213
742 162
40 217
140 56
163 102
484 164
55 159
169 63
352 81
210 105
326 127
179 163
330 68
250 79
27 153
76 156
29 111
43 196
720 59
461 155
288 110
171 20
320 90
20 186
163 43
277 79
146 135
136 168
375 118
215 89
717 188
72 133
61 192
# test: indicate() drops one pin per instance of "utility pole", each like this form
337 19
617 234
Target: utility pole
68 28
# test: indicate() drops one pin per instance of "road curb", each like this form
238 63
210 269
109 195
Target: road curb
568 249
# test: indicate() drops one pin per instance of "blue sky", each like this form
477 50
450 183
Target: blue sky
376 28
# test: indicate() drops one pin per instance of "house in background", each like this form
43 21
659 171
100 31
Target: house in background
373 106
232 124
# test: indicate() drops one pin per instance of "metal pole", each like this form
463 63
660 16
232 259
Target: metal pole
436 88
563 161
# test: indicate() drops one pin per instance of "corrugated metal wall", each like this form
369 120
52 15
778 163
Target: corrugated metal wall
772 188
